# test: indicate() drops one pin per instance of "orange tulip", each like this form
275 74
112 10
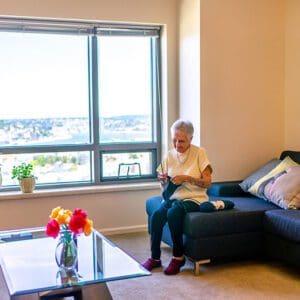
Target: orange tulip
88 227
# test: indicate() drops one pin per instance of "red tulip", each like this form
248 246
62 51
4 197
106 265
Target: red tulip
79 211
78 221
52 228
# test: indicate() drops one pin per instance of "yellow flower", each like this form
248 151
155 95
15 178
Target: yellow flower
88 227
55 212
68 212
63 216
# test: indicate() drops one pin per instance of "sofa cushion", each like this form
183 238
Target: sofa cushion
226 189
152 204
283 189
283 166
294 155
259 173
247 216
284 223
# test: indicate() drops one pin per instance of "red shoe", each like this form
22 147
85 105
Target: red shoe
151 263
174 266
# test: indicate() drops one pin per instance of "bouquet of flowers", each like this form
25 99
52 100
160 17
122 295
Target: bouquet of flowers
63 219
67 225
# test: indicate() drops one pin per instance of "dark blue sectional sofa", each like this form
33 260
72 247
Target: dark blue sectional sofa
254 227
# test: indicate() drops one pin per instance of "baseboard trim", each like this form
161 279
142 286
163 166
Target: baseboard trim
125 229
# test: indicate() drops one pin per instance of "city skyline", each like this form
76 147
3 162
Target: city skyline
73 130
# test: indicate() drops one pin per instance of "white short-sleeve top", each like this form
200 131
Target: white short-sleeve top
192 162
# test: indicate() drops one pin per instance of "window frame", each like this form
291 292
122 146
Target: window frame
92 30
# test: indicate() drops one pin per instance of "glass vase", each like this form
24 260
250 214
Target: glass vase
66 251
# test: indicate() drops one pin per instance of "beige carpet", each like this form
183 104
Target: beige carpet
235 280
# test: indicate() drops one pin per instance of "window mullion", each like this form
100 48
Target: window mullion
94 108
157 99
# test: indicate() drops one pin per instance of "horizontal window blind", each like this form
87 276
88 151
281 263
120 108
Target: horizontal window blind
75 27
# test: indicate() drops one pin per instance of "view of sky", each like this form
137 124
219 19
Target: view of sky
124 84
45 76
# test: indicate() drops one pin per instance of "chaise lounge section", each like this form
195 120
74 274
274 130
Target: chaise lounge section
254 227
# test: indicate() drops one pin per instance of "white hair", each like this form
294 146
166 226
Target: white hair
183 125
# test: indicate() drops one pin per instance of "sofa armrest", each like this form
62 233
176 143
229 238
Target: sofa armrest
226 189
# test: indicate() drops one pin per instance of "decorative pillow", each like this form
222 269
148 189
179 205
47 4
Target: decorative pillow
282 166
259 173
283 189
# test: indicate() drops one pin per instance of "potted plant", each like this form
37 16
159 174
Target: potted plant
24 173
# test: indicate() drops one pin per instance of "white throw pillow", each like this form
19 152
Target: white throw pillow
283 166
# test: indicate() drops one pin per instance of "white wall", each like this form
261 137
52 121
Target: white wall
189 64
110 209
117 208
292 75
242 84
241 105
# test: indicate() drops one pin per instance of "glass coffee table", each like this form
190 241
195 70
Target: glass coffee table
29 271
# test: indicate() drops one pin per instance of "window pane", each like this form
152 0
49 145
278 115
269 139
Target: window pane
67 101
127 165
125 97
44 85
58 167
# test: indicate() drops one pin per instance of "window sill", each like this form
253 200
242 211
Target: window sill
79 191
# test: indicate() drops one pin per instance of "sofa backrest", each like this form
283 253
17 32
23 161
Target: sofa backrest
294 155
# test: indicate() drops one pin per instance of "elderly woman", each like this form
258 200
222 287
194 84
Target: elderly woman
185 174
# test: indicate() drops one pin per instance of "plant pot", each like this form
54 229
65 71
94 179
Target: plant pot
27 185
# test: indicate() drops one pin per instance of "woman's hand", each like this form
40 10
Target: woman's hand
162 177
203 182
179 179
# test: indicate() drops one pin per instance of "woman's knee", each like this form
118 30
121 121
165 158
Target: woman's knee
176 212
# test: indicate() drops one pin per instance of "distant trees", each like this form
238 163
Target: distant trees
43 160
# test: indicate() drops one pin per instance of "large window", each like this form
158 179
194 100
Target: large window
79 101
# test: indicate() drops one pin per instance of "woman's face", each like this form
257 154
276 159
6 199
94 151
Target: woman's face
181 141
